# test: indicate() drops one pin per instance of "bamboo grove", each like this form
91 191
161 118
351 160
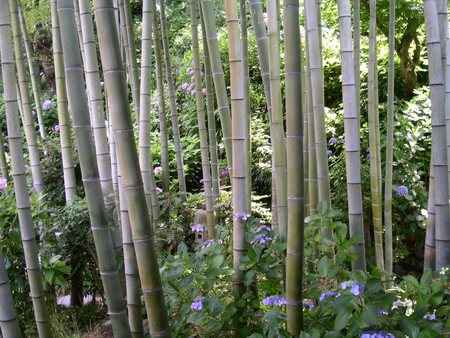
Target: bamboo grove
107 132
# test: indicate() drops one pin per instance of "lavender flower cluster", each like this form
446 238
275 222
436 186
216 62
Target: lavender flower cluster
401 190
241 216
197 304
47 105
190 88
3 184
274 301
355 288
198 228
328 294
376 334
261 239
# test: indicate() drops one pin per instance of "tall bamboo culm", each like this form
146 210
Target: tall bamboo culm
145 156
279 143
352 135
389 143
70 184
295 180
211 120
202 131
9 323
161 102
34 85
439 152
89 170
218 78
238 131
357 51
30 135
172 101
18 173
3 163
429 261
141 227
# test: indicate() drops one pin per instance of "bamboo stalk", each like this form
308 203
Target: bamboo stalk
429 262
3 163
34 85
18 172
89 170
141 227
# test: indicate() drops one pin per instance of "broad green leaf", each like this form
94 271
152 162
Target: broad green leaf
342 320
322 266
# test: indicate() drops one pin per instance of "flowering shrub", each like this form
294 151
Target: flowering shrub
47 105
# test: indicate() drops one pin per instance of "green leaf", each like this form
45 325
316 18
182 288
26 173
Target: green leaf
384 300
322 207
411 281
322 266
370 314
342 320
428 333
426 278
410 328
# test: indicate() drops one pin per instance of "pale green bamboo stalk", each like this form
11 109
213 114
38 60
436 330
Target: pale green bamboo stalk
141 227
305 135
279 143
373 140
18 172
133 286
34 85
429 262
389 143
33 150
295 179
89 170
247 98
145 156
172 101
96 106
9 323
439 153
317 94
238 108
352 134
200 107
3 163
161 105
357 51
70 184
211 121
218 78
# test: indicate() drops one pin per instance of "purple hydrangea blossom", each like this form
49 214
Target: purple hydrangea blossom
158 190
204 90
197 228
197 304
185 85
193 92
309 304
191 72
47 105
430 316
261 239
57 128
401 190
225 171
328 294
420 218
274 301
263 228
157 170
355 288
241 216
333 140
376 334
3 184
329 152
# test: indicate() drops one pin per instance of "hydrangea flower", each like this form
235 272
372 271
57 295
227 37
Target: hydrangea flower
193 92
241 215
204 90
185 85
309 304
355 288
158 190
263 228
430 316
47 105
420 218
376 334
197 228
261 239
329 152
274 301
401 190
57 128
191 72
197 304
333 140
328 294
33 112
157 170
3 184
225 171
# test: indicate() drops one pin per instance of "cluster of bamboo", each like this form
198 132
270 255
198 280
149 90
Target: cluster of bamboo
112 166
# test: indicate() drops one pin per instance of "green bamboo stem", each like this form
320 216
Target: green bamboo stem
172 101
247 98
33 150
357 51
389 143
317 94
133 286
218 78
141 227
305 135
3 163
238 133
295 179
96 106
89 170
439 153
213 149
145 156
70 184
34 85
161 105
279 143
373 141
18 172
429 262
9 323
200 107
352 134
